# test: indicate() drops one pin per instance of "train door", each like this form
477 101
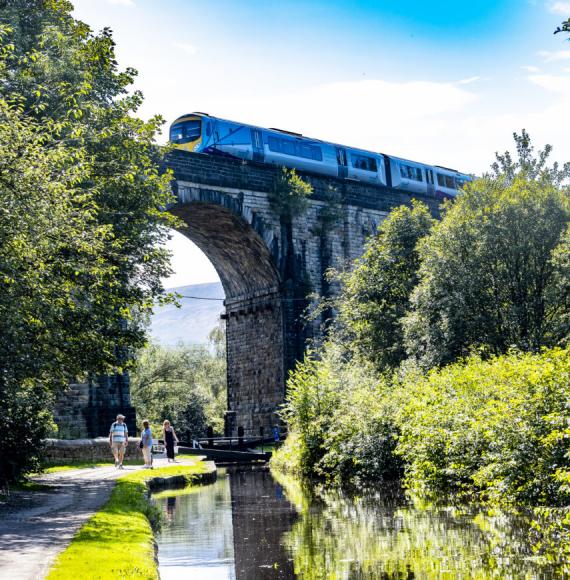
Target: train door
257 145
430 182
341 160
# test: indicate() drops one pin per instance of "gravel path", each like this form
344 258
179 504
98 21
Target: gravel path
35 526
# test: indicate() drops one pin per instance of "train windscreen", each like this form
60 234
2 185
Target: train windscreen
186 131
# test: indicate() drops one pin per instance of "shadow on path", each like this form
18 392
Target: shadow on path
38 525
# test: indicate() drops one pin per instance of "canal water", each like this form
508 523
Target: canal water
250 525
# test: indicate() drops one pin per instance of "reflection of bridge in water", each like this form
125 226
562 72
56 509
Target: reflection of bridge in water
252 532
261 514
231 529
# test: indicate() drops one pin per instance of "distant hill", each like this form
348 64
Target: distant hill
191 323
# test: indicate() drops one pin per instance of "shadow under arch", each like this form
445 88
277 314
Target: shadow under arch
237 244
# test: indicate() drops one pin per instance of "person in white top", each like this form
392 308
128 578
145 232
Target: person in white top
118 440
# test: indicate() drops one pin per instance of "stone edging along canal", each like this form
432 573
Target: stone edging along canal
176 481
126 520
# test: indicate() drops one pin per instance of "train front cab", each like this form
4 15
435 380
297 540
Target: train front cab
186 132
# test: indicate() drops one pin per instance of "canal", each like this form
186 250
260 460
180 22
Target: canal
250 525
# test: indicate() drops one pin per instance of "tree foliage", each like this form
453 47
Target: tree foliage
80 199
186 385
494 271
493 274
497 428
290 194
340 420
375 295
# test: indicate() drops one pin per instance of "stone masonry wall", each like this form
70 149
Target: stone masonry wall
254 331
265 337
88 450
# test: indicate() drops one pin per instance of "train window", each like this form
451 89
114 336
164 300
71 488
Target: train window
185 132
298 149
362 162
409 172
305 150
446 181
288 147
459 183
316 153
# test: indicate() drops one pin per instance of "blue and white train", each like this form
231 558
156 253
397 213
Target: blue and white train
203 133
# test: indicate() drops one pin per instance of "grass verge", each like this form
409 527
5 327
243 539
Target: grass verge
117 542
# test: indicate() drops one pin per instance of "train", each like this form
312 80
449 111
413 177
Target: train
202 133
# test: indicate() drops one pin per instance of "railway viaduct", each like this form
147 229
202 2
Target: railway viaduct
269 268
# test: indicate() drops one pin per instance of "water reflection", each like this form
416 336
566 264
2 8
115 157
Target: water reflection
249 526
197 534
379 535
260 515
231 530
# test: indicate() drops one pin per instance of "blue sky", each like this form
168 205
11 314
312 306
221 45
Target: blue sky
440 82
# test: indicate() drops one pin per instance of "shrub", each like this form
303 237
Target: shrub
341 421
498 428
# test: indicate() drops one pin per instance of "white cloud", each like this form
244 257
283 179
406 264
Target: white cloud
560 8
121 2
404 119
531 69
187 48
552 83
468 81
551 56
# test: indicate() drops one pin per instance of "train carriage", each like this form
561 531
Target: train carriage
202 133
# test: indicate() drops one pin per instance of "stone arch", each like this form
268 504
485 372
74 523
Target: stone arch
237 243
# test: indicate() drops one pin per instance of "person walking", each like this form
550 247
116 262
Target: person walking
118 440
146 444
169 436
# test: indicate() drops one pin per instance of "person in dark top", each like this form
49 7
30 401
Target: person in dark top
170 439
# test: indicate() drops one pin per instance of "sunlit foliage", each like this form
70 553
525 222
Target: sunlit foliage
185 384
80 215
375 294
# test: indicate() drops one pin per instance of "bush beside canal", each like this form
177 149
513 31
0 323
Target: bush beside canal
496 429
493 430
118 541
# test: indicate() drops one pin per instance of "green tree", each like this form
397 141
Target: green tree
81 194
493 272
50 243
186 385
375 295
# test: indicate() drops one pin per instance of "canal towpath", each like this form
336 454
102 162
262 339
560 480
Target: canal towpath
35 526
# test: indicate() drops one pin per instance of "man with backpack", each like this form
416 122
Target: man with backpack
118 440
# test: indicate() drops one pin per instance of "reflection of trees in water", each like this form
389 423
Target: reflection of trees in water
378 535
200 519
